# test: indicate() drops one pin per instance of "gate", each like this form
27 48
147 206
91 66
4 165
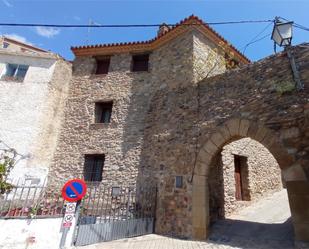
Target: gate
110 213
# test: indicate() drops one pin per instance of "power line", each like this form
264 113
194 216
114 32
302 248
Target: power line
125 25
253 40
295 24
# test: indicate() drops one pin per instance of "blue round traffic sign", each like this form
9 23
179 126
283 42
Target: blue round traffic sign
74 190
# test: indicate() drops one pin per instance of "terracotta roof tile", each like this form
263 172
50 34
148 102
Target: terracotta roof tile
186 21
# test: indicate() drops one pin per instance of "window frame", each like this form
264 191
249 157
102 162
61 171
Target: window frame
140 58
93 159
105 59
5 45
16 69
103 107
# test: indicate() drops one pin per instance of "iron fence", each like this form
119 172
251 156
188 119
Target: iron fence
106 203
110 213
25 201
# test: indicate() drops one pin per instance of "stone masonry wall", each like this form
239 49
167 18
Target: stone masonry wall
170 66
263 93
264 174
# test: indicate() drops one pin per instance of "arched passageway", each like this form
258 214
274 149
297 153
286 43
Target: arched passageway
247 201
210 200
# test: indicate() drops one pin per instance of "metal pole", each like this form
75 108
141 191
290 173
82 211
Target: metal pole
77 212
299 84
63 237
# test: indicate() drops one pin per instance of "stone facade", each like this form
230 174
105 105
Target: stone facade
253 101
166 123
262 177
170 67
31 110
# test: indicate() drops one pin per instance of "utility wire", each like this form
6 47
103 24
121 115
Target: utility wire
253 40
259 39
126 25
295 24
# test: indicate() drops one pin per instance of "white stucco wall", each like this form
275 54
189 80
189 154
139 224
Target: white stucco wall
17 233
29 112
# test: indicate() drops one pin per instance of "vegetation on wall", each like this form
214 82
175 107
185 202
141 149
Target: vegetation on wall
7 162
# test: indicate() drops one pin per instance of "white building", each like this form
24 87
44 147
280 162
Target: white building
33 89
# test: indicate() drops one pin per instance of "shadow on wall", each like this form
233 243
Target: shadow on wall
252 235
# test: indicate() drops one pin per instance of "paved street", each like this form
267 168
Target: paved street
264 225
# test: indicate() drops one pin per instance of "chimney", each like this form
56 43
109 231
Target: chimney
164 28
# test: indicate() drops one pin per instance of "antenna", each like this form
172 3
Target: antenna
88 31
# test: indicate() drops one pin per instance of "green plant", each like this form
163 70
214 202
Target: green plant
7 161
283 87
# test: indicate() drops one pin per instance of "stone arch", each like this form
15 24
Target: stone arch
230 131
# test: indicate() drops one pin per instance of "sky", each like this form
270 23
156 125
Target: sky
105 12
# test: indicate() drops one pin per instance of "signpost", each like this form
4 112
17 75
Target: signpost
73 191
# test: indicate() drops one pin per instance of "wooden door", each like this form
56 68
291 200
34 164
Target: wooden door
238 180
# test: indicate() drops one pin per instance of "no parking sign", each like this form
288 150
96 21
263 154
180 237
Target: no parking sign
74 190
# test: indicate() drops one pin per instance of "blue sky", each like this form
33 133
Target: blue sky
147 12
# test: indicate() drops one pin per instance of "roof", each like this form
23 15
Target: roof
173 32
36 49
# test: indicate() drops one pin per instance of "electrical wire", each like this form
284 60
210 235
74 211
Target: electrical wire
253 39
125 25
262 38
296 25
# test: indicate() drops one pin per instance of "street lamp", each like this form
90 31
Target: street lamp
282 33
282 36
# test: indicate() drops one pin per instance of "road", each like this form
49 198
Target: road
265 224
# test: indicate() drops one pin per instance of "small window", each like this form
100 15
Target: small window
15 72
103 112
103 65
93 167
5 45
140 62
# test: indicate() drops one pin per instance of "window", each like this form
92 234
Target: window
140 62
93 167
5 45
15 72
102 65
103 112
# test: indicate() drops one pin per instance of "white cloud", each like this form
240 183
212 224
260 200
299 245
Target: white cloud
7 3
18 38
47 32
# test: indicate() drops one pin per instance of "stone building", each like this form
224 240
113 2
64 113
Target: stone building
165 111
33 88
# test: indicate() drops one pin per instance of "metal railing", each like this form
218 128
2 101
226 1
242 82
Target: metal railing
25 201
106 203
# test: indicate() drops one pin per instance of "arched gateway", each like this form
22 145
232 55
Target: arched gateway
233 129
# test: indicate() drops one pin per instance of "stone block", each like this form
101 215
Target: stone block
294 173
199 180
218 139
225 133
233 126
299 205
244 127
301 231
261 133
210 148
200 233
298 187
